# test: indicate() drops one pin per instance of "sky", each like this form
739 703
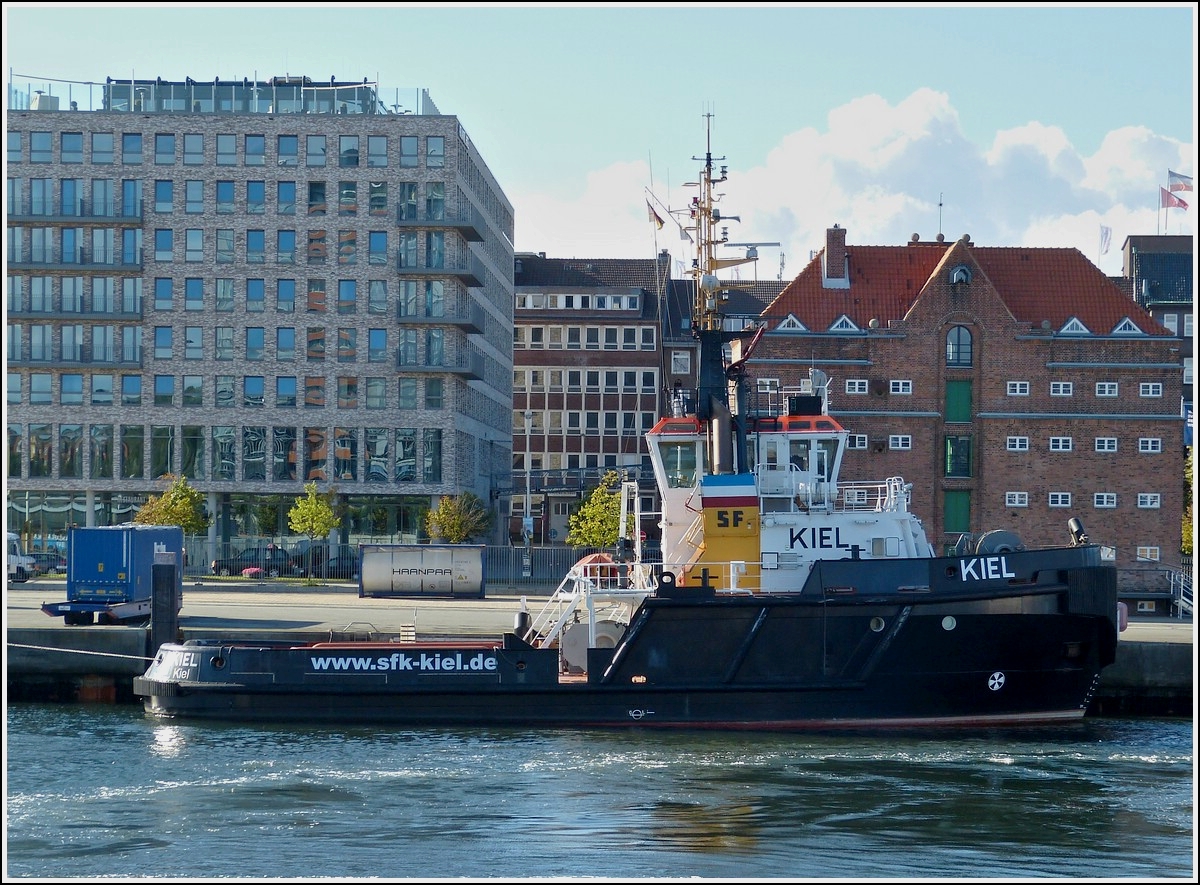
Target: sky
1018 124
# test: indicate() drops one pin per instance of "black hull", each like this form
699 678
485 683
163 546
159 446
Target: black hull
1025 648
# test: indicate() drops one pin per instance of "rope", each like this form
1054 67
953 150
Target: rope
79 651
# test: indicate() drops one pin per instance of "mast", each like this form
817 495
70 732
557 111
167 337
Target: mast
716 379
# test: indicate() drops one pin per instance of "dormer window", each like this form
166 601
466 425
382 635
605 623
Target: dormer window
960 274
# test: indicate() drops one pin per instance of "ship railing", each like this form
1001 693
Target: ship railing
1181 592
599 588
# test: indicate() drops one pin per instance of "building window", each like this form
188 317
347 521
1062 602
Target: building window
377 150
1060 499
223 387
285 296
347 351
1106 388
1061 443
41 147
1104 500
164 150
256 246
285 247
314 392
959 350
1148 554
285 198
317 249
164 390
1148 445
900 442
256 150
225 295
131 149
1016 499
256 197
253 391
376 393
347 199
255 343
193 343
225 249
1150 388
193 149
164 196
1106 444
315 350
1149 500
377 297
163 338
1062 388
376 345
408 151
226 150
164 244
285 343
225 199
314 150
223 343
193 245
902 387
1018 388
435 151
857 441
347 151
288 150
193 390
958 456
131 390
377 198
407 394
856 386
285 392
347 387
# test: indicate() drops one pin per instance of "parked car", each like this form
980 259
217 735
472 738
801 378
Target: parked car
50 563
342 564
273 561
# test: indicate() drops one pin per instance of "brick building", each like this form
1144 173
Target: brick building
1014 388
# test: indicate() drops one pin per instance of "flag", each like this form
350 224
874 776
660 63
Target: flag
1170 201
654 216
1177 182
1105 239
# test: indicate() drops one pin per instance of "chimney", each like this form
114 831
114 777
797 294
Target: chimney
835 253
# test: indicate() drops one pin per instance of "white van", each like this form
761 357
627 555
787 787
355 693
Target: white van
20 564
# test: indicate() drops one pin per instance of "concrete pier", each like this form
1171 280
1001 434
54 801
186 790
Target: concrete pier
47 660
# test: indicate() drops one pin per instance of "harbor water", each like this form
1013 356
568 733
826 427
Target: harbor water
105 792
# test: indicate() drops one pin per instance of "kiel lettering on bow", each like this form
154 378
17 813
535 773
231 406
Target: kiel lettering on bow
818 538
984 568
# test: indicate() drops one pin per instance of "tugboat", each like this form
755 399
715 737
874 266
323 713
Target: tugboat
786 598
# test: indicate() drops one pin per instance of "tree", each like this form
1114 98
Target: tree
179 505
1186 547
313 516
458 518
597 522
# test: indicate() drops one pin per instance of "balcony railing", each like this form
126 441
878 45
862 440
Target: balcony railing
471 320
469 270
465 221
83 211
31 258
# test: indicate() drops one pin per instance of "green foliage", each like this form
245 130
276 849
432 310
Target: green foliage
1186 546
457 519
597 522
179 505
313 515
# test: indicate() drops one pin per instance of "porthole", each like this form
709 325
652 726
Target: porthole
948 623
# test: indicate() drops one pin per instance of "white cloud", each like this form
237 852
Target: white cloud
881 171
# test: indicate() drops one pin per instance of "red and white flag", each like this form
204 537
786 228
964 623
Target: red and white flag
1170 201
1178 182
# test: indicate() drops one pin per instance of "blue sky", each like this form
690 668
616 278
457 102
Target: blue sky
1031 124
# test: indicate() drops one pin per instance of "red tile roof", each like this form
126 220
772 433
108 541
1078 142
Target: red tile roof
1035 284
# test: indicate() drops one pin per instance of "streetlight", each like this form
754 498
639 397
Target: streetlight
527 519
